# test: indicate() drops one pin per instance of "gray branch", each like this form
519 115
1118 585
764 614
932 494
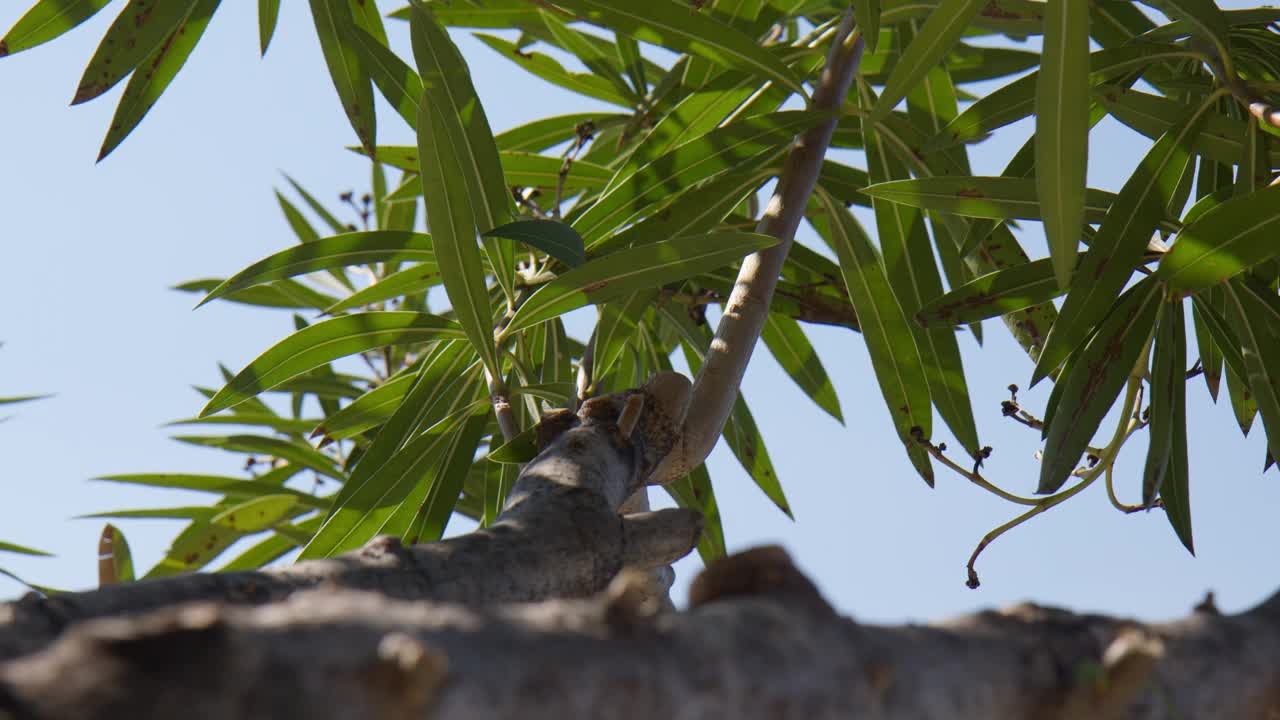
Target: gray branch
559 536
758 643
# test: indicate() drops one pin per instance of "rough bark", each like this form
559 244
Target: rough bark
758 643
559 536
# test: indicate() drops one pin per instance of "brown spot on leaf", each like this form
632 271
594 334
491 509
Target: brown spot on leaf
970 193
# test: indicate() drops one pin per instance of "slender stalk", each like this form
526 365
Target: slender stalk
716 388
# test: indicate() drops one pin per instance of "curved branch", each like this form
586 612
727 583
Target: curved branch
716 388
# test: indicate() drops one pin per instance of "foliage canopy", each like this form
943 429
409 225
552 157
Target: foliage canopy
644 213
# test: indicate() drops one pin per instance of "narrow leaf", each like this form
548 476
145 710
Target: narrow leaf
337 29
47 20
634 269
1094 379
552 237
324 342
268 14
1226 240
1062 130
154 74
140 28
936 37
793 351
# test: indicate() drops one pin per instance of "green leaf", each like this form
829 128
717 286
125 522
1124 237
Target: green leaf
1062 130
1211 355
452 219
940 32
519 449
890 340
997 198
550 236
358 248
324 342
1220 138
140 28
367 411
1226 240
292 450
697 210
278 294
734 146
412 280
634 269
546 133
363 508
284 539
793 351
867 15
998 293
741 433
154 74
22 550
1122 239
337 30
1017 99
547 68
597 58
1260 347
334 224
21 399
47 20
1092 381
256 515
268 14
433 500
397 82
459 119
674 26
229 486
695 492
443 384
498 479
1206 20
1168 381
115 561
292 426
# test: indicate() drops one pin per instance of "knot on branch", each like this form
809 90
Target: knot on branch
764 570
647 418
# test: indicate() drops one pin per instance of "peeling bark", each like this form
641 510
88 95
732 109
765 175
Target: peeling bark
759 643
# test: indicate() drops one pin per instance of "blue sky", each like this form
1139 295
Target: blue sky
91 250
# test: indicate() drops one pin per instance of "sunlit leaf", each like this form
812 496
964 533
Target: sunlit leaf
115 561
633 269
255 515
155 73
1224 241
47 20
337 29
993 294
932 43
140 28
327 341
672 25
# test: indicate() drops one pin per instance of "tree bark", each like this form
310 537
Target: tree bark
560 535
759 642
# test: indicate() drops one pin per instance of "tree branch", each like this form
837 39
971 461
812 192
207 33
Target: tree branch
560 535
744 315
760 642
